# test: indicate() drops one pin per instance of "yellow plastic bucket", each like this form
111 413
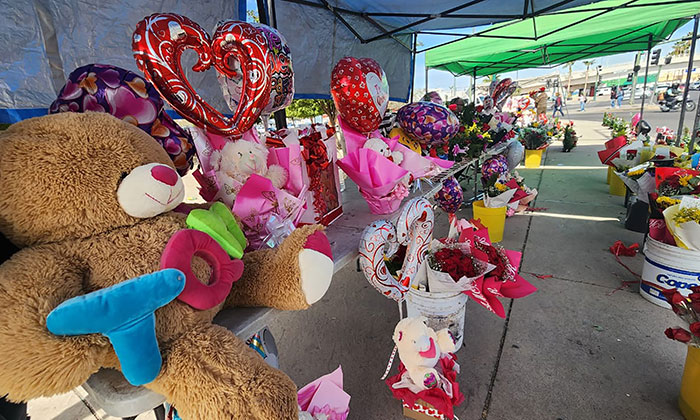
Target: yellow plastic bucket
689 400
533 158
493 218
617 187
610 174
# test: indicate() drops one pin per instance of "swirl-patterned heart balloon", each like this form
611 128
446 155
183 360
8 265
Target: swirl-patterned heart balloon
428 122
158 43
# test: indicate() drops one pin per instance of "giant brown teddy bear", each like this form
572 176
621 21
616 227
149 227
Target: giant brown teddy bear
59 176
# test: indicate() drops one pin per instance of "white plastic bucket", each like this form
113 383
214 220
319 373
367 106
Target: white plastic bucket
668 267
443 310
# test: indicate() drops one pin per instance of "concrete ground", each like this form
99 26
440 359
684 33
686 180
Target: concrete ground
579 348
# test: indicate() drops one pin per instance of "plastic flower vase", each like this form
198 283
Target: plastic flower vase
533 158
617 187
689 400
611 173
494 218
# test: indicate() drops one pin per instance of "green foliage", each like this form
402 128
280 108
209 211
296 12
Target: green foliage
4 127
619 127
304 108
570 138
534 138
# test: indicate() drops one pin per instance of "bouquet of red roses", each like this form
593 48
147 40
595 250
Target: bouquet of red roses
452 268
688 309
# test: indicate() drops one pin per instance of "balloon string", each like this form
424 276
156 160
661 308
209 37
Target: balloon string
391 362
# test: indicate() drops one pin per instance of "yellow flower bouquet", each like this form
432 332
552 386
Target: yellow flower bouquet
683 220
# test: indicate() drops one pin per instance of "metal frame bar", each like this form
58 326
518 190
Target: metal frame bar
528 64
679 133
646 76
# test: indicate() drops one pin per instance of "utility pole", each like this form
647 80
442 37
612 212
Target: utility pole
679 133
597 77
634 77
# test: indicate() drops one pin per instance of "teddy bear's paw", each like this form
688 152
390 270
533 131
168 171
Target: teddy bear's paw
316 267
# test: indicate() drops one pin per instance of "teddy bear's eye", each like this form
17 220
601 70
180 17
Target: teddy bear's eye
240 154
122 176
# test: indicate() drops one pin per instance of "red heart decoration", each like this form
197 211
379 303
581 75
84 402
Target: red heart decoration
158 43
360 91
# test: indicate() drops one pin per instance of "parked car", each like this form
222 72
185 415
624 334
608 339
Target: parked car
695 86
604 91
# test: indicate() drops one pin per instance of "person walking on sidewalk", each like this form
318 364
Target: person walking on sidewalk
541 102
582 100
620 96
613 96
558 105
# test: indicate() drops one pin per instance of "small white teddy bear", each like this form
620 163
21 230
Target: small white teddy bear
380 146
420 349
238 160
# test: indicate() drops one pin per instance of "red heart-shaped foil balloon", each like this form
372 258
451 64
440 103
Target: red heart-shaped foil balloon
360 91
158 43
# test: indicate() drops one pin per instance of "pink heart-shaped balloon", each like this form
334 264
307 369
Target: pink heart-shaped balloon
158 43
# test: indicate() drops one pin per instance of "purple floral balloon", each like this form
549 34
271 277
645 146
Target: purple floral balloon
450 196
427 122
129 97
497 165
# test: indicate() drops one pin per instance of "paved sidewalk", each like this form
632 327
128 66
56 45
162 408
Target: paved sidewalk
579 348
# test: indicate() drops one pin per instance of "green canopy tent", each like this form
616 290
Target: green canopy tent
604 28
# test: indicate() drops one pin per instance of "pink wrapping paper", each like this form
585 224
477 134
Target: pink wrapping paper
325 395
257 200
291 157
417 165
372 172
387 204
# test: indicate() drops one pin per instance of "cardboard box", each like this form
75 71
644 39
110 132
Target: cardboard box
421 410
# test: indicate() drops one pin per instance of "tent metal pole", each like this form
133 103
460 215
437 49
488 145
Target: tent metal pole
426 80
679 133
266 14
695 134
413 56
474 87
646 75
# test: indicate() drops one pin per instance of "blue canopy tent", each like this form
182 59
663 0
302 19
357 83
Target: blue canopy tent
44 40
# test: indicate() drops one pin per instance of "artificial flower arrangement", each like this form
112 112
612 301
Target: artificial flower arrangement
535 137
480 130
469 143
570 138
619 127
688 309
683 221
608 119
474 266
677 181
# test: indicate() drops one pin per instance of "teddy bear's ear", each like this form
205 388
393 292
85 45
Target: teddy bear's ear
260 148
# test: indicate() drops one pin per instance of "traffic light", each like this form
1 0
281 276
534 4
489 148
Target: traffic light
630 76
637 68
655 56
667 61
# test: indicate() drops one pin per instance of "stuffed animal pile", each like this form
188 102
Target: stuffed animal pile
88 198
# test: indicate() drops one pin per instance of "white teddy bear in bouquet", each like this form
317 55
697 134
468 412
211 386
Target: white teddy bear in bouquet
420 349
380 146
237 160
